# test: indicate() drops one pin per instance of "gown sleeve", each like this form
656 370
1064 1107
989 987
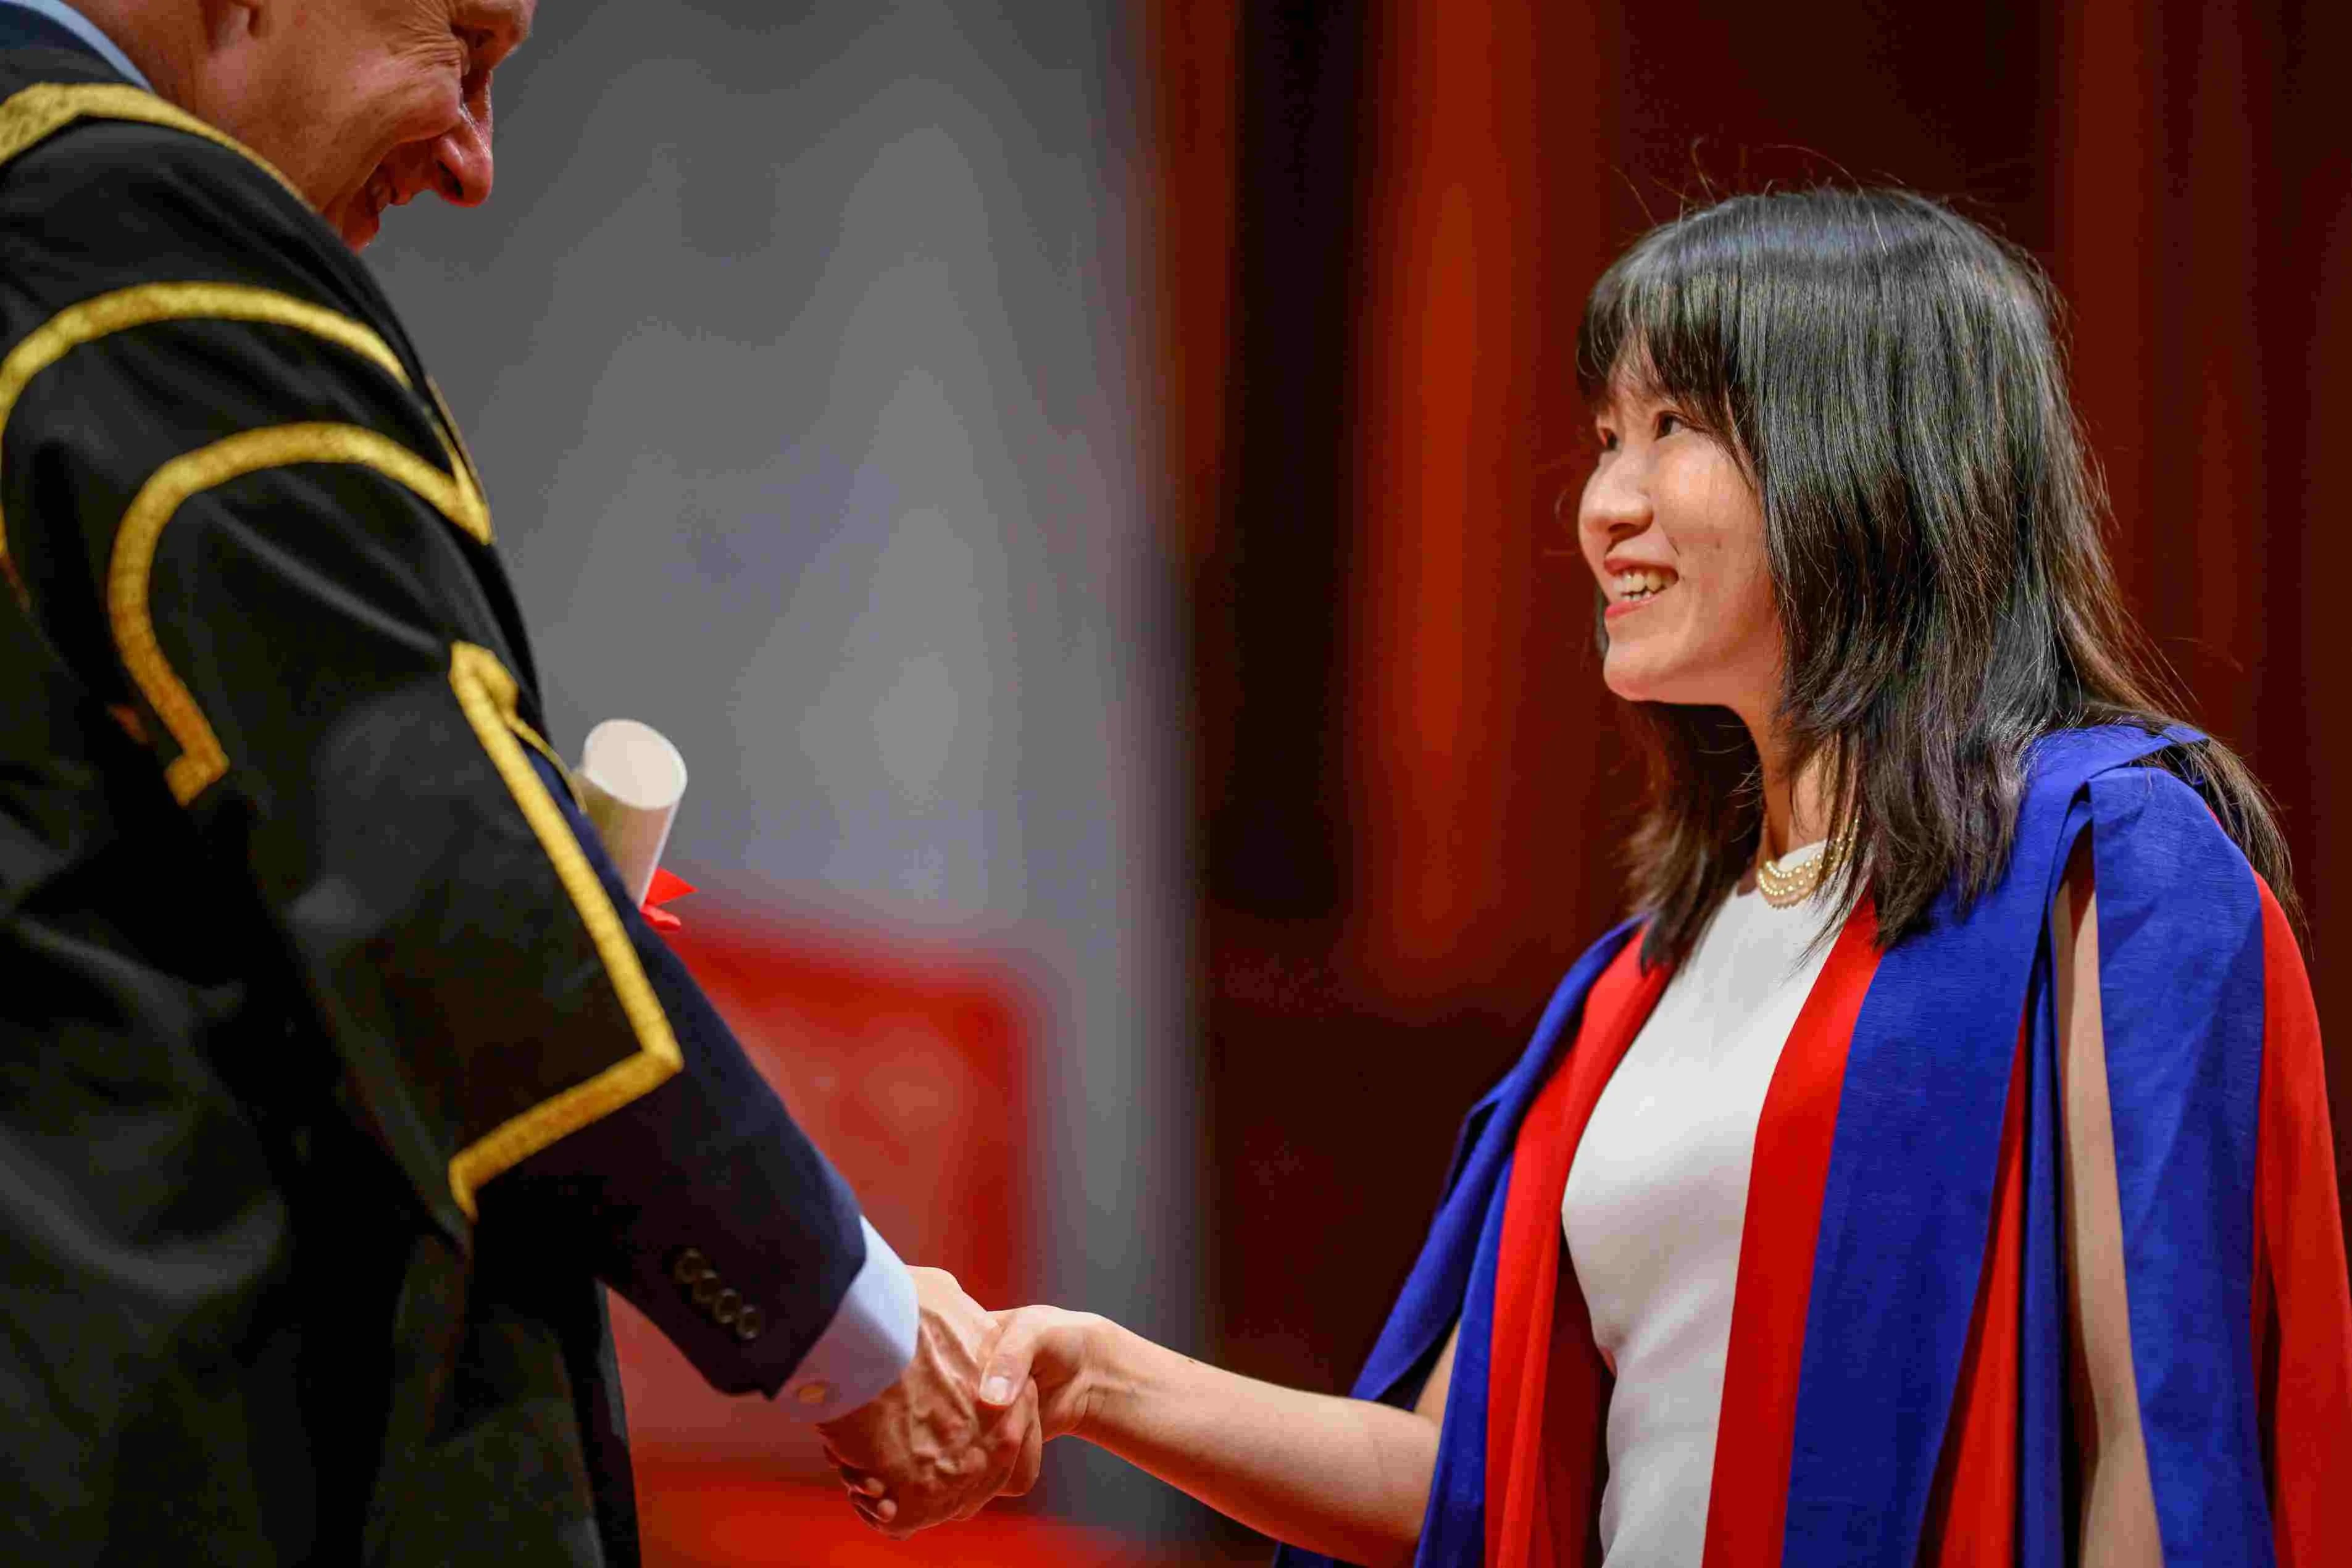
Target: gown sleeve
236 511
2232 1249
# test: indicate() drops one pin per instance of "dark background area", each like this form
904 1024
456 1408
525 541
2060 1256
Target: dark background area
1410 786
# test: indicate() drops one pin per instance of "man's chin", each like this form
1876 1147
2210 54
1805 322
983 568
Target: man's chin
357 219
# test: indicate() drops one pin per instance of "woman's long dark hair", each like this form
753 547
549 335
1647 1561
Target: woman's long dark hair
1887 375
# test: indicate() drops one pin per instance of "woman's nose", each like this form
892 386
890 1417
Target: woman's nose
1616 502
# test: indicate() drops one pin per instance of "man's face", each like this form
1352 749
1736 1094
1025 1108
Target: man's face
366 103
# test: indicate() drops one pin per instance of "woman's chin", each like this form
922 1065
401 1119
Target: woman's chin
1628 679
1636 682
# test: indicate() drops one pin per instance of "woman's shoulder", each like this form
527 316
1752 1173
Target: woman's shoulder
2161 807
2164 868
2130 788
2150 800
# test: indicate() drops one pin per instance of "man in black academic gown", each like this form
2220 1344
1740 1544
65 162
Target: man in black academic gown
336 1069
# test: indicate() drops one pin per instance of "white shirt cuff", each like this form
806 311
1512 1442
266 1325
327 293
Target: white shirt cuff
866 1347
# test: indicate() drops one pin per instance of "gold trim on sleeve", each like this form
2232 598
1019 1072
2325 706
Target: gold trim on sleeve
147 303
461 457
487 693
537 743
201 759
34 114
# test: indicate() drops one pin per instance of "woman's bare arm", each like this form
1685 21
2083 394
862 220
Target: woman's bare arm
1343 1476
2118 1502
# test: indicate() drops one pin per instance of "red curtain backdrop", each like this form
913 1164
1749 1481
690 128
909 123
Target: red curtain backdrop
1457 652
1411 785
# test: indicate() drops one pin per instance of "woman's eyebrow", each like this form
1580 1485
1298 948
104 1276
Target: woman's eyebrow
1619 402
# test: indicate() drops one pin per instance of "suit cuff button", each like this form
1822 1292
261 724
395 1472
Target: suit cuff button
688 1267
725 1308
748 1324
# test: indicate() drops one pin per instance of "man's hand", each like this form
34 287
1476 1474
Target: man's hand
926 1451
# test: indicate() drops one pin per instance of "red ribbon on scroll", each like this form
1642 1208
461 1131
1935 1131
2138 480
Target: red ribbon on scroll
663 888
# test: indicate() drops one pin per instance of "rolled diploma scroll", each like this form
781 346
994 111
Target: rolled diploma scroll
631 780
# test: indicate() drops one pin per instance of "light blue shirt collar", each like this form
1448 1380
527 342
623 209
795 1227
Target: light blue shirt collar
82 28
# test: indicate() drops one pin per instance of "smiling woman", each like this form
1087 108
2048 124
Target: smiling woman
1936 1168
1843 418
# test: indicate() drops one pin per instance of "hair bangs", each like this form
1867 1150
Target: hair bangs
1663 322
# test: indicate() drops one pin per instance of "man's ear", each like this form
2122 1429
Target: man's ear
229 23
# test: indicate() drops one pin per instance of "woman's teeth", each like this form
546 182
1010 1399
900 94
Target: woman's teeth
1643 584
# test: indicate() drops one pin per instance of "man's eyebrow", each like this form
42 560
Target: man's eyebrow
510 19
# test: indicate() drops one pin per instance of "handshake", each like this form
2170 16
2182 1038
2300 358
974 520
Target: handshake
968 1418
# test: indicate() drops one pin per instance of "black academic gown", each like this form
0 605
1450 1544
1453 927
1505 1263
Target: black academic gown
335 1068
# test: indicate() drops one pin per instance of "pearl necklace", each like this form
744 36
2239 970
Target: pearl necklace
1785 886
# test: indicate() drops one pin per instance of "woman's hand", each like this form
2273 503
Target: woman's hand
1346 1477
1062 1351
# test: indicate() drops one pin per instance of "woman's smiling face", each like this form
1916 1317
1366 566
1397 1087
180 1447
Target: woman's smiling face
1675 535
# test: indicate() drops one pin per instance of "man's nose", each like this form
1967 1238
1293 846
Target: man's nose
461 157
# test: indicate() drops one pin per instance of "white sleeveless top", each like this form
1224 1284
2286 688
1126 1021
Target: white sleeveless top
1654 1205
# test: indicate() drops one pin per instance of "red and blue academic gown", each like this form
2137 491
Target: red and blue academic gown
1897 1389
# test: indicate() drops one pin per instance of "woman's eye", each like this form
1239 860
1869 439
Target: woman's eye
1670 423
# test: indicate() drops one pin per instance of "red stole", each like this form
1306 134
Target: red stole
1545 1412
2302 1314
1545 1450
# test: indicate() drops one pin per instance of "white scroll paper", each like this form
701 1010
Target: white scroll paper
631 780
